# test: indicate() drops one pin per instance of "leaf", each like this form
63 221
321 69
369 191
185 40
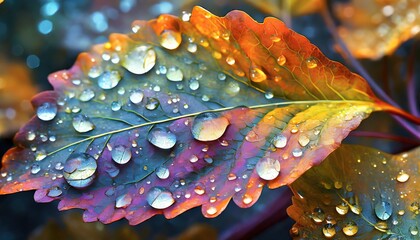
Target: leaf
361 192
293 7
372 29
149 123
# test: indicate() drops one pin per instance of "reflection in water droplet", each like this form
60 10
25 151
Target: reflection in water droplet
152 104
297 152
402 177
40 155
303 140
281 60
211 211
162 172
46 111
109 79
414 230
221 76
383 210
193 158
82 124
318 215
199 189
350 229
160 198
230 60
311 63
329 230
136 97
123 201
174 74
257 75
268 95
79 170
209 126
279 141
192 47
35 169
87 95
140 60
54 191
121 154
342 208
268 168
170 39
194 84
161 138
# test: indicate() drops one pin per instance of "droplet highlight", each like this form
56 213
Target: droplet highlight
79 170
268 168
209 126
160 198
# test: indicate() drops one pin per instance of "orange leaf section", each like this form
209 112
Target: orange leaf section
280 8
372 29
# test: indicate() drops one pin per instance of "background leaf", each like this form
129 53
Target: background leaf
148 123
361 192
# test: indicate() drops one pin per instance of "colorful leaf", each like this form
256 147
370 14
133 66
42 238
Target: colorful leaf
372 29
149 123
361 192
293 7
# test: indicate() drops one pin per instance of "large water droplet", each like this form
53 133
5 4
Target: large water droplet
136 97
79 170
170 39
140 60
121 154
329 230
123 201
109 79
402 177
247 199
342 208
161 138
46 111
383 210
160 198
280 141
318 215
350 229
54 191
211 211
152 104
162 172
257 75
174 74
82 124
268 168
209 126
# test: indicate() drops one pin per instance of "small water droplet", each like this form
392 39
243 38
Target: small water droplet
123 201
318 215
329 230
115 106
82 124
350 229
280 141
303 140
35 169
383 210
281 60
232 88
209 126
162 172
87 95
211 211
231 176
161 138
257 75
46 111
230 60
95 71
160 198
199 189
54 191
121 154
311 63
221 76
152 104
297 152
136 97
193 158
268 95
268 168
414 230
194 84
192 47
170 39
402 177
140 60
79 170
40 155
30 136
174 74
109 80
247 199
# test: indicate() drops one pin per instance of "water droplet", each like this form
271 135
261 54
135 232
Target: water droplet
192 48
123 201
59 166
247 199
311 63
383 210
329 230
46 111
194 84
162 172
257 75
281 60
199 189
232 88
185 16
269 95
160 198
350 229
30 136
174 74
297 152
193 158
140 60
231 177
161 138
82 124
318 215
303 140
230 60
109 79
136 97
35 169
121 154
79 170
95 71
152 104
115 106
87 95
414 230
209 126
221 76
280 141
54 191
342 208
40 155
211 211
402 177
268 168
170 39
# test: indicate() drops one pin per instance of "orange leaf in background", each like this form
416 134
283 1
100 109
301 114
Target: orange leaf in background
280 8
372 29
16 91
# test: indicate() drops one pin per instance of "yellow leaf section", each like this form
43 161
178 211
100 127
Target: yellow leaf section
282 8
372 29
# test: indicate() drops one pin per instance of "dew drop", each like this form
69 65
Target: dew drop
342 208
268 168
281 60
170 39
199 189
109 80
123 201
247 199
82 124
230 60
161 138
87 95
257 75
280 141
329 230
115 106
414 230
383 210
162 172
54 191
311 63
318 215
46 111
194 84
121 154
140 60
221 76
30 136
192 48
211 211
40 155
59 166
209 126
136 97
231 177
79 170
402 177
350 229
160 198
35 169
174 74
232 88
152 104
268 95
193 159
303 140
297 152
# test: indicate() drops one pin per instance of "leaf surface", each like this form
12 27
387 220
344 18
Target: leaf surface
294 7
182 114
361 192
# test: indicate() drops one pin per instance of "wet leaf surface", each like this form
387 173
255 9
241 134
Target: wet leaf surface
182 114
292 7
360 192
